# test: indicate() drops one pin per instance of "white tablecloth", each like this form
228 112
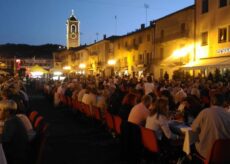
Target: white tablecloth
189 139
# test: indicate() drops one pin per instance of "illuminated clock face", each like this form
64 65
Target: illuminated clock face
73 36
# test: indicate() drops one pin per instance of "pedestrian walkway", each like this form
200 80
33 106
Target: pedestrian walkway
73 139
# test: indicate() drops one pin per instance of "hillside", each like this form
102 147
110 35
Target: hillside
28 51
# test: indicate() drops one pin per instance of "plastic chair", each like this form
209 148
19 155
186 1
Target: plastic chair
39 143
86 110
149 140
78 105
219 153
96 113
130 139
69 101
37 122
109 120
32 116
117 124
74 103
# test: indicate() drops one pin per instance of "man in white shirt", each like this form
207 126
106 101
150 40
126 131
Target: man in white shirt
140 112
149 86
211 124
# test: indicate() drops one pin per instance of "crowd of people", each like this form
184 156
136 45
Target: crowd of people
202 103
16 130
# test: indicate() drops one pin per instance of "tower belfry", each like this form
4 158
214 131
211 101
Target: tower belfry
72 32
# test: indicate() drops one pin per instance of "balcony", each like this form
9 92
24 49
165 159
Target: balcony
99 64
173 36
94 53
132 47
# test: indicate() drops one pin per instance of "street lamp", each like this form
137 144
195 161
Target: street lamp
82 66
67 68
111 62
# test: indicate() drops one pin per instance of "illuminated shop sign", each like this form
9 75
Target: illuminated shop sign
223 51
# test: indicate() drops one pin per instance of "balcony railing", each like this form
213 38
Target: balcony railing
173 36
94 53
131 47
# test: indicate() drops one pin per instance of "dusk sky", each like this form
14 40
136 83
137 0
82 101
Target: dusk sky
44 21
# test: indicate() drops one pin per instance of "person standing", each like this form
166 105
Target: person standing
149 86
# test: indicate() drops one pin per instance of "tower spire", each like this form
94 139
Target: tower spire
72 12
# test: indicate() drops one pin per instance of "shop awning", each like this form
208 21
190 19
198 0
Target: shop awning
56 69
38 68
3 72
208 63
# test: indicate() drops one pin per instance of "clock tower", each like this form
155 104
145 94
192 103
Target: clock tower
73 32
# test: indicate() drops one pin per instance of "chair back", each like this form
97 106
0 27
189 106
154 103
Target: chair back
78 106
39 143
117 124
74 103
69 101
109 120
38 122
86 109
96 113
32 116
149 140
130 139
220 152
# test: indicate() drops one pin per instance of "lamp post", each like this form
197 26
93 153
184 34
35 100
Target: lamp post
111 63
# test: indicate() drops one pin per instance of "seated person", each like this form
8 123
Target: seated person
14 136
158 121
191 109
211 124
140 112
127 104
28 126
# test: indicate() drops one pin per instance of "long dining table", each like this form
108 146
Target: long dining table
181 128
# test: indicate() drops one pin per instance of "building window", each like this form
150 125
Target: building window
118 62
73 28
140 39
140 58
118 45
182 27
162 34
222 35
161 53
223 3
229 33
204 6
148 58
148 37
134 42
126 44
125 61
204 38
